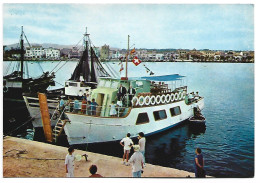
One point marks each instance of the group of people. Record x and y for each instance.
(191, 97)
(121, 94)
(87, 107)
(137, 160)
(69, 165)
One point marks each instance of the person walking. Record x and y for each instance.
(141, 143)
(199, 164)
(137, 160)
(69, 162)
(127, 147)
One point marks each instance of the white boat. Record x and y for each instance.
(157, 106)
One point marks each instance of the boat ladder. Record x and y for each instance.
(59, 127)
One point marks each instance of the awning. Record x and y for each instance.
(172, 77)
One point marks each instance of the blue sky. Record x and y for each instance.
(177, 26)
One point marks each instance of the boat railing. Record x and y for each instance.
(93, 110)
(34, 102)
(151, 99)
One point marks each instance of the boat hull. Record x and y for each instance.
(84, 129)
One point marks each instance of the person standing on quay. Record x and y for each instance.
(199, 164)
(137, 160)
(141, 143)
(69, 162)
(127, 147)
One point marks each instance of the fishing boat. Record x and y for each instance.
(15, 84)
(84, 79)
(158, 104)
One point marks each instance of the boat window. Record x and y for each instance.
(108, 84)
(73, 84)
(158, 115)
(114, 84)
(102, 83)
(142, 118)
(139, 84)
(175, 111)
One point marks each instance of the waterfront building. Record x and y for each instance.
(64, 52)
(52, 53)
(35, 52)
(74, 53)
(104, 52)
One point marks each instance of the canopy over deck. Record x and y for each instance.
(172, 77)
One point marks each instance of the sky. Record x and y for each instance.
(159, 26)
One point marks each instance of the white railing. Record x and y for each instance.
(93, 110)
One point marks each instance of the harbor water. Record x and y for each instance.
(227, 142)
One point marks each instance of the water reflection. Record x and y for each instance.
(166, 148)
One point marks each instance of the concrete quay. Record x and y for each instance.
(25, 158)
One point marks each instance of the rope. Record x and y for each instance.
(62, 66)
(8, 67)
(19, 127)
(55, 67)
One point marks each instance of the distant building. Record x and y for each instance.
(35, 52)
(64, 52)
(104, 52)
(74, 53)
(52, 53)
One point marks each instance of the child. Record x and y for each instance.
(113, 109)
(69, 162)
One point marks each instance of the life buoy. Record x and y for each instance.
(141, 100)
(135, 101)
(176, 96)
(168, 98)
(153, 100)
(147, 100)
(172, 97)
(180, 95)
(158, 99)
(184, 94)
(162, 99)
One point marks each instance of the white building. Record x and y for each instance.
(35, 52)
(52, 53)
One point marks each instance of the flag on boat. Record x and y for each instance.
(136, 61)
(122, 67)
(132, 51)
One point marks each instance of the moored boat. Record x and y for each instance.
(156, 106)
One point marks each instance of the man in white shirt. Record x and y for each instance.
(69, 162)
(137, 160)
(127, 147)
(141, 143)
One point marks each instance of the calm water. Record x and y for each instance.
(227, 142)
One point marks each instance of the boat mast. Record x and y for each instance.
(22, 54)
(127, 58)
